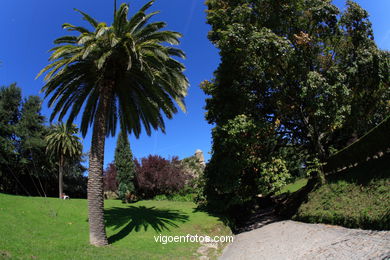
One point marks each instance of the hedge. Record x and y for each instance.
(374, 141)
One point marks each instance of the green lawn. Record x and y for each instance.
(293, 187)
(356, 198)
(49, 228)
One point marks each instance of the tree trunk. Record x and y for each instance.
(61, 176)
(97, 230)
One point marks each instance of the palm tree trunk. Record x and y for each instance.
(60, 176)
(97, 230)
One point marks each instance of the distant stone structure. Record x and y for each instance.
(199, 155)
(193, 167)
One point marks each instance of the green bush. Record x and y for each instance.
(190, 197)
(242, 164)
(273, 176)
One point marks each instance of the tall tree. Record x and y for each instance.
(125, 71)
(64, 145)
(301, 62)
(125, 167)
(10, 100)
(31, 133)
(301, 65)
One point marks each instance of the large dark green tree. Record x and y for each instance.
(22, 133)
(125, 167)
(64, 146)
(10, 100)
(123, 72)
(25, 168)
(31, 133)
(300, 65)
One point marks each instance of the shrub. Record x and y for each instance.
(156, 175)
(195, 179)
(189, 197)
(273, 176)
(240, 167)
(110, 182)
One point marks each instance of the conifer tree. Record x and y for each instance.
(125, 166)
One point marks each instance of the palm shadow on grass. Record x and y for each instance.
(141, 217)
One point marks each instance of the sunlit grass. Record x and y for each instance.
(357, 198)
(49, 228)
(293, 187)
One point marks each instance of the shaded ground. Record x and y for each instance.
(140, 218)
(296, 240)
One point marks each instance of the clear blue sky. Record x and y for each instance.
(28, 28)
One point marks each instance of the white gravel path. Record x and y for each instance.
(296, 240)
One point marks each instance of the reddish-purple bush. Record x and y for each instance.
(109, 178)
(156, 175)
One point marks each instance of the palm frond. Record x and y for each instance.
(88, 18)
(132, 58)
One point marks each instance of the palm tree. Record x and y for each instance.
(123, 73)
(64, 145)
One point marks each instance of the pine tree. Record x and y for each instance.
(125, 168)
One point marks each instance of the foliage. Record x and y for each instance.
(63, 145)
(355, 198)
(303, 63)
(188, 197)
(199, 191)
(31, 132)
(61, 224)
(24, 167)
(62, 141)
(295, 159)
(10, 99)
(273, 176)
(157, 176)
(375, 141)
(75, 181)
(303, 66)
(125, 167)
(192, 167)
(109, 178)
(195, 183)
(128, 60)
(239, 167)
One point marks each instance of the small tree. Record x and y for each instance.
(157, 176)
(110, 178)
(125, 168)
(63, 145)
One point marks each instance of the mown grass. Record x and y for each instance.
(293, 187)
(49, 228)
(356, 198)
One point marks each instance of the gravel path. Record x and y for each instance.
(296, 240)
